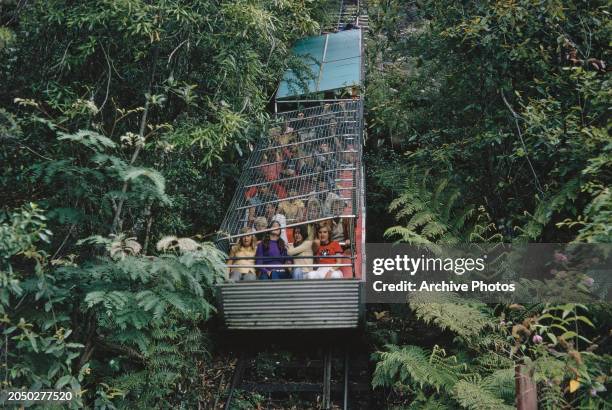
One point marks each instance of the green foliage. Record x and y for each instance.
(449, 311)
(415, 365)
(431, 214)
(488, 123)
(495, 105)
(130, 327)
(480, 373)
(144, 88)
(473, 396)
(127, 121)
(435, 378)
(38, 349)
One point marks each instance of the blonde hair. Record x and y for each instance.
(314, 202)
(262, 221)
(239, 244)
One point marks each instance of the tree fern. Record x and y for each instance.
(501, 382)
(472, 396)
(414, 365)
(547, 207)
(147, 311)
(449, 312)
(428, 213)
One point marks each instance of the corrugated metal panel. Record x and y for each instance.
(317, 304)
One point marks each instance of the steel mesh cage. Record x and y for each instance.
(310, 160)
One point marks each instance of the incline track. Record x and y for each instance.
(324, 377)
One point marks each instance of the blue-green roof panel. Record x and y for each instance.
(339, 55)
(340, 74)
(343, 45)
(311, 46)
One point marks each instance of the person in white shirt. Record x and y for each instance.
(300, 249)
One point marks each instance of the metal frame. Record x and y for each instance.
(335, 122)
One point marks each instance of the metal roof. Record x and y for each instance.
(334, 61)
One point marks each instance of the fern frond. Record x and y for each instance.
(90, 139)
(448, 311)
(405, 235)
(472, 396)
(414, 365)
(419, 219)
(501, 383)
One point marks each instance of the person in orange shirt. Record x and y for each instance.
(326, 250)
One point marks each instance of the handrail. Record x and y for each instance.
(275, 181)
(305, 141)
(300, 265)
(303, 157)
(352, 188)
(237, 258)
(310, 221)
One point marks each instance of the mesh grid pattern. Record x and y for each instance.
(307, 169)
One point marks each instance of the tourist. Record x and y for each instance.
(326, 250)
(300, 250)
(272, 251)
(245, 248)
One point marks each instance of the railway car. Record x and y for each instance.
(305, 174)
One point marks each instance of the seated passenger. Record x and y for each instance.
(279, 189)
(325, 195)
(259, 224)
(249, 220)
(307, 166)
(274, 133)
(313, 212)
(272, 165)
(272, 250)
(331, 199)
(275, 214)
(291, 162)
(259, 200)
(287, 137)
(244, 248)
(292, 208)
(300, 249)
(339, 227)
(328, 249)
(323, 157)
(348, 155)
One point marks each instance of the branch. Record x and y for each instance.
(143, 124)
(64, 241)
(128, 351)
(520, 134)
(108, 81)
(175, 50)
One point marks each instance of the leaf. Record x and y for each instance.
(569, 335)
(64, 380)
(93, 298)
(381, 315)
(32, 338)
(574, 385)
(90, 139)
(155, 177)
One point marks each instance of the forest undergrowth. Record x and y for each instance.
(487, 124)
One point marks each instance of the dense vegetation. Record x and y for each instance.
(122, 122)
(488, 123)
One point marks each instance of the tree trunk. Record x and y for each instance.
(526, 390)
(116, 226)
